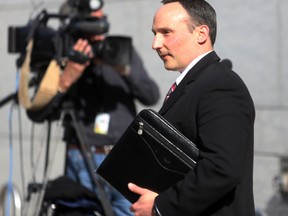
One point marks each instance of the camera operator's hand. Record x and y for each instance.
(73, 70)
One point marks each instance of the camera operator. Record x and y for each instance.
(103, 97)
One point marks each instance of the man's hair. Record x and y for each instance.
(200, 13)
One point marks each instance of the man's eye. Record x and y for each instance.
(166, 33)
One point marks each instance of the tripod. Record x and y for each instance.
(89, 161)
(88, 157)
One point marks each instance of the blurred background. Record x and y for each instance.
(251, 34)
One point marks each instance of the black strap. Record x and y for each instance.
(78, 57)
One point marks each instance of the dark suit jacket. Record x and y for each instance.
(213, 108)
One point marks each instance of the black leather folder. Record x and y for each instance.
(151, 153)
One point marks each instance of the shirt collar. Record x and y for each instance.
(192, 63)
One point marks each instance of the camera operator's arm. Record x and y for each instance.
(142, 86)
(72, 72)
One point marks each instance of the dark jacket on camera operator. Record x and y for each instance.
(101, 89)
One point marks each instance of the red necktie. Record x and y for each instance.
(172, 89)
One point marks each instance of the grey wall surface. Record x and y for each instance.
(252, 34)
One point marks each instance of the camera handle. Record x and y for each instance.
(88, 157)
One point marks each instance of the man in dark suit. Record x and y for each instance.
(212, 107)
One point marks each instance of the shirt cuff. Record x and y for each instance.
(155, 211)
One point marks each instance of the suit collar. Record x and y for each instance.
(200, 66)
(192, 75)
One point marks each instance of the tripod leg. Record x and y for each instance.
(36, 191)
(88, 156)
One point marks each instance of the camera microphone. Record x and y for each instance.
(95, 27)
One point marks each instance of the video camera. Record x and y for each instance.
(75, 23)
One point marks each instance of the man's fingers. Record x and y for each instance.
(82, 46)
(132, 209)
(136, 189)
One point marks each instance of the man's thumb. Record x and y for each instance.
(136, 189)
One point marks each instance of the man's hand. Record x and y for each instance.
(74, 70)
(143, 206)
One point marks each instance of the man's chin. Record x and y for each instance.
(170, 67)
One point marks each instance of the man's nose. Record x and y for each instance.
(157, 43)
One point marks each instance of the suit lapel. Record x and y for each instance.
(190, 77)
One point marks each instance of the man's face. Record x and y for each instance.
(176, 45)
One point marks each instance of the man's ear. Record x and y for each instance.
(203, 33)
